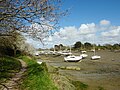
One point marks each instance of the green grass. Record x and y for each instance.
(79, 85)
(8, 66)
(36, 77)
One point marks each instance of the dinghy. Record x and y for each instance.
(95, 57)
(83, 56)
(72, 58)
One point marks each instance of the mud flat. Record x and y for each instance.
(102, 74)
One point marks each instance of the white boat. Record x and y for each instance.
(83, 56)
(36, 53)
(65, 53)
(95, 57)
(72, 58)
(83, 51)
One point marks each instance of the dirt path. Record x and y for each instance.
(13, 83)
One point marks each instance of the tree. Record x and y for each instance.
(12, 43)
(88, 45)
(60, 46)
(56, 47)
(116, 46)
(27, 49)
(109, 47)
(16, 14)
(77, 45)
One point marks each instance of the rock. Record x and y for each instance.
(78, 68)
(72, 68)
(39, 62)
(62, 67)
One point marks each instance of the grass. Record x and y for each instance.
(8, 66)
(79, 85)
(36, 77)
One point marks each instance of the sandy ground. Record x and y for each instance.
(102, 73)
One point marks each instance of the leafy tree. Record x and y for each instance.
(56, 47)
(12, 42)
(88, 45)
(77, 45)
(61, 46)
(109, 47)
(116, 46)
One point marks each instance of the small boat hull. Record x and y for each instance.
(83, 56)
(95, 57)
(72, 58)
(83, 51)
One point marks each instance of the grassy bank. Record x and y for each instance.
(36, 77)
(8, 66)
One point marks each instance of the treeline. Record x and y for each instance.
(87, 46)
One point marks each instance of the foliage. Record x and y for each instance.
(59, 47)
(10, 44)
(116, 46)
(77, 45)
(88, 45)
(8, 66)
(14, 44)
(36, 77)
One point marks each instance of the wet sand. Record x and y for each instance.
(102, 73)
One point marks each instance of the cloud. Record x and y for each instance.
(68, 32)
(104, 22)
(69, 35)
(112, 33)
(50, 39)
(87, 28)
(94, 33)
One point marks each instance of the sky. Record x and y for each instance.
(94, 21)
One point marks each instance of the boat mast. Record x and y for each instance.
(54, 48)
(94, 45)
(70, 49)
(94, 48)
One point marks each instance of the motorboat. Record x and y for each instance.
(65, 53)
(72, 58)
(95, 57)
(83, 55)
(83, 51)
(36, 53)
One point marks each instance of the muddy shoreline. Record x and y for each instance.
(103, 73)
